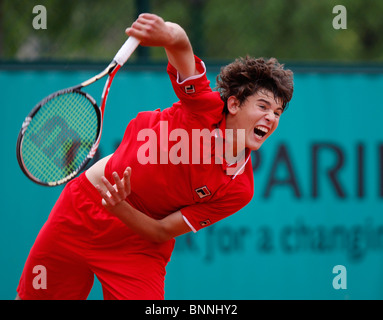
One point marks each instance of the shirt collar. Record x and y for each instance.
(232, 169)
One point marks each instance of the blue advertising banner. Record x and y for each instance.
(314, 229)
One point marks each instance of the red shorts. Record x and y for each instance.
(80, 239)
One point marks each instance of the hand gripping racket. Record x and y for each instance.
(62, 132)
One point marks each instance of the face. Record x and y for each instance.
(258, 115)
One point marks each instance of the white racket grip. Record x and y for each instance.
(126, 50)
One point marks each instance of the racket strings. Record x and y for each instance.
(60, 136)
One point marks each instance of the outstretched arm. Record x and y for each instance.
(151, 229)
(153, 31)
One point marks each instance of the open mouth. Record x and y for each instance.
(260, 131)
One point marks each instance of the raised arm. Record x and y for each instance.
(153, 31)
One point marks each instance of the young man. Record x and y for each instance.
(118, 220)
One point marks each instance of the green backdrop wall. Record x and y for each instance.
(318, 191)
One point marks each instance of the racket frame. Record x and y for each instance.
(29, 118)
(118, 61)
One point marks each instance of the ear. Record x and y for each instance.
(233, 105)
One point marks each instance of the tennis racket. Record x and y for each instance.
(62, 132)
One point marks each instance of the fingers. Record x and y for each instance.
(127, 174)
(119, 187)
(139, 27)
(150, 29)
(144, 21)
(112, 195)
(106, 199)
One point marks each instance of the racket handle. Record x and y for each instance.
(126, 50)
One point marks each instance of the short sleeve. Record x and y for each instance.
(195, 92)
(201, 215)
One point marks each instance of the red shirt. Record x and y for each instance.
(155, 141)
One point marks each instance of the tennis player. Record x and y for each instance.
(118, 220)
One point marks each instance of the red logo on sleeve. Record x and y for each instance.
(205, 223)
(203, 192)
(189, 89)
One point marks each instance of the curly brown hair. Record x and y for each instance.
(246, 76)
